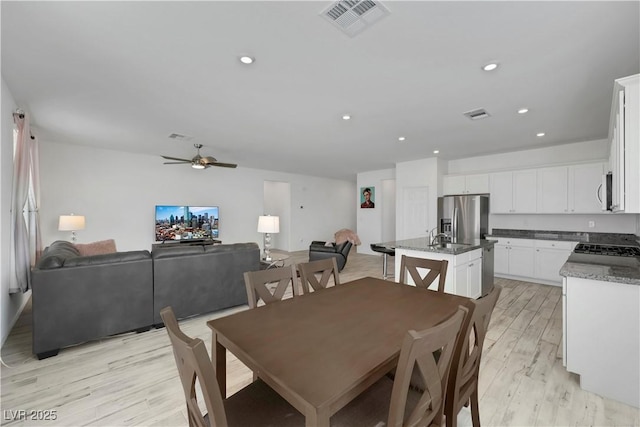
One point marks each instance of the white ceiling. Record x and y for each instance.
(125, 75)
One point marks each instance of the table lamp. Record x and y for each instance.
(268, 224)
(71, 223)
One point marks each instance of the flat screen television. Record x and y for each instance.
(186, 222)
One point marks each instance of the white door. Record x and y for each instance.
(501, 259)
(474, 279)
(553, 190)
(524, 191)
(521, 261)
(477, 184)
(415, 212)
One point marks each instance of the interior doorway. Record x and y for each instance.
(277, 202)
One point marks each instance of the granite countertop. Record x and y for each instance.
(569, 236)
(604, 268)
(424, 244)
(608, 273)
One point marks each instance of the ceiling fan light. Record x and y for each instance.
(197, 166)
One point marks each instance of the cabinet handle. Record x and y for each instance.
(471, 265)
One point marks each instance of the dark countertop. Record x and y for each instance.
(424, 244)
(569, 236)
(609, 273)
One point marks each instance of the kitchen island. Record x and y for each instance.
(470, 269)
(601, 324)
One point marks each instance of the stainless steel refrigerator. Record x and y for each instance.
(464, 219)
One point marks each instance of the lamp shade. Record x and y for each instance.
(71, 222)
(268, 224)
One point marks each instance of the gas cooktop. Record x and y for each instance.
(609, 250)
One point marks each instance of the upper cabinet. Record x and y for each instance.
(465, 184)
(513, 192)
(570, 189)
(624, 134)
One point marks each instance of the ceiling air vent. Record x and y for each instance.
(354, 16)
(478, 114)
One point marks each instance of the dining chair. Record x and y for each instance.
(316, 274)
(255, 405)
(396, 402)
(437, 269)
(259, 284)
(463, 381)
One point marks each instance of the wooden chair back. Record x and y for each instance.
(258, 284)
(316, 274)
(194, 366)
(463, 383)
(437, 269)
(418, 352)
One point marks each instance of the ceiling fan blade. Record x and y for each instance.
(175, 163)
(224, 165)
(208, 159)
(176, 158)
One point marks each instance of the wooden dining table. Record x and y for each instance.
(321, 350)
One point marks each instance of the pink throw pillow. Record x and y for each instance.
(96, 248)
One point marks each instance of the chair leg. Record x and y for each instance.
(384, 266)
(475, 412)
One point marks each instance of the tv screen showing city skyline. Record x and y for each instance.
(186, 222)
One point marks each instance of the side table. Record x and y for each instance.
(277, 261)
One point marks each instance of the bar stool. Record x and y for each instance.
(385, 253)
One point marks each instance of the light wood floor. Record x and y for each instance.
(131, 379)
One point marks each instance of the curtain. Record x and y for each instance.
(26, 242)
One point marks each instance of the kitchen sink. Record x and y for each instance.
(449, 245)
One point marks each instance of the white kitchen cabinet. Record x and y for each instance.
(465, 184)
(553, 190)
(570, 189)
(464, 271)
(514, 257)
(624, 137)
(601, 323)
(513, 191)
(549, 258)
(585, 188)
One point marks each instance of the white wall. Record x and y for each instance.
(277, 202)
(370, 221)
(418, 173)
(117, 192)
(588, 151)
(11, 304)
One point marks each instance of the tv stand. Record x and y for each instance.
(186, 242)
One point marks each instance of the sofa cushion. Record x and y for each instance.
(96, 248)
(56, 254)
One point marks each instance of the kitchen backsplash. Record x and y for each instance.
(602, 223)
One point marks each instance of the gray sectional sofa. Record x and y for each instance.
(82, 298)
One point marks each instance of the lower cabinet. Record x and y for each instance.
(531, 260)
(464, 271)
(514, 257)
(602, 337)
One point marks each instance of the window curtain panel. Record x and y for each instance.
(26, 241)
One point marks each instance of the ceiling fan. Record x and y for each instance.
(199, 162)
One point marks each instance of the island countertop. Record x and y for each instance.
(424, 244)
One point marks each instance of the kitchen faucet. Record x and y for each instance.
(438, 236)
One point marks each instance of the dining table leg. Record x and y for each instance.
(219, 361)
(317, 417)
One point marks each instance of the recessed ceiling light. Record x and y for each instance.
(540, 134)
(490, 66)
(402, 138)
(346, 117)
(523, 110)
(246, 59)
(436, 151)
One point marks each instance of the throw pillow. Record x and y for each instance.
(96, 248)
